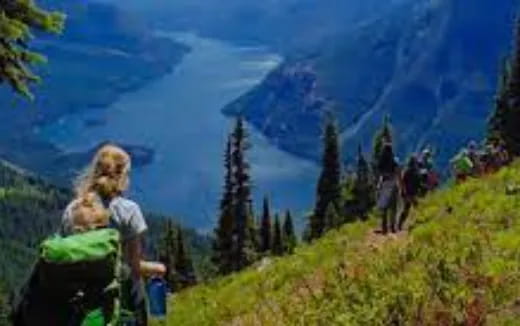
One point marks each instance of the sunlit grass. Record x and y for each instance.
(459, 265)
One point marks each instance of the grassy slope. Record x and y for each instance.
(458, 266)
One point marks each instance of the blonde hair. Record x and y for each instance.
(107, 175)
(88, 213)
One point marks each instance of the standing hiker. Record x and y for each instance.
(462, 165)
(107, 178)
(429, 178)
(411, 181)
(388, 188)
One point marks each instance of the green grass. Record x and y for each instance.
(460, 265)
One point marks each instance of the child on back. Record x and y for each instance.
(88, 213)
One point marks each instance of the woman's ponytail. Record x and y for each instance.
(107, 175)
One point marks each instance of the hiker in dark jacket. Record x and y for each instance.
(388, 188)
(411, 183)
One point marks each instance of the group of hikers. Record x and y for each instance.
(475, 160)
(97, 225)
(399, 188)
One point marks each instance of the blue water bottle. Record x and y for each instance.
(157, 293)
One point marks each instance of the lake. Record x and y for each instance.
(179, 117)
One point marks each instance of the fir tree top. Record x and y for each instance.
(17, 20)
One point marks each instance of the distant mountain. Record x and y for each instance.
(289, 26)
(431, 65)
(103, 52)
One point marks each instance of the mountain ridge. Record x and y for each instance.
(430, 63)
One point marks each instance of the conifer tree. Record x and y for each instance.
(223, 245)
(289, 236)
(329, 184)
(277, 237)
(4, 308)
(245, 250)
(497, 122)
(506, 117)
(363, 190)
(265, 228)
(167, 252)
(184, 271)
(332, 218)
(383, 136)
(19, 20)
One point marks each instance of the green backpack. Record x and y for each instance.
(463, 164)
(77, 281)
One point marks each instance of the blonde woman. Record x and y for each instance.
(104, 183)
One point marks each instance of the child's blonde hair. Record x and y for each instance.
(88, 213)
(107, 175)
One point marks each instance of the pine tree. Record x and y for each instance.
(497, 121)
(167, 252)
(505, 120)
(223, 245)
(266, 228)
(244, 252)
(363, 190)
(277, 237)
(185, 273)
(329, 184)
(289, 236)
(19, 20)
(332, 218)
(4, 308)
(384, 136)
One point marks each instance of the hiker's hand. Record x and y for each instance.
(152, 269)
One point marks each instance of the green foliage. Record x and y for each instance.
(222, 256)
(175, 256)
(363, 190)
(383, 136)
(166, 254)
(244, 248)
(457, 266)
(184, 270)
(265, 228)
(328, 191)
(504, 122)
(332, 218)
(18, 18)
(277, 237)
(237, 240)
(289, 237)
(4, 308)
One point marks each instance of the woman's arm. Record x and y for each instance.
(133, 254)
(139, 267)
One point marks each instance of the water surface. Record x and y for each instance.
(179, 118)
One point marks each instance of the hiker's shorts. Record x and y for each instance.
(387, 195)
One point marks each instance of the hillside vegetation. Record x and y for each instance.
(458, 265)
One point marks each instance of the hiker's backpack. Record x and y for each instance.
(463, 164)
(77, 281)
